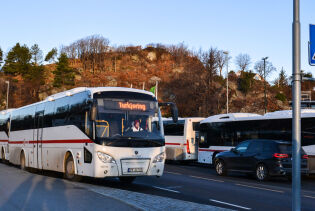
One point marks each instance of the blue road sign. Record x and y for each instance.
(312, 45)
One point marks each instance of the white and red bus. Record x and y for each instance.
(181, 138)
(89, 132)
(224, 131)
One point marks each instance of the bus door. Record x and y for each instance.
(193, 139)
(38, 137)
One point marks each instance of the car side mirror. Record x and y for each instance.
(233, 150)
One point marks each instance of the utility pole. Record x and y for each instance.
(296, 108)
(8, 82)
(227, 80)
(265, 94)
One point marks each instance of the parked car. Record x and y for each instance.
(263, 158)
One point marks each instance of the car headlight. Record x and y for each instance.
(159, 158)
(105, 158)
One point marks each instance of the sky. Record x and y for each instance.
(258, 28)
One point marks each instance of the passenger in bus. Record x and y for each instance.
(136, 126)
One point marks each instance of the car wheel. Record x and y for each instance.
(261, 172)
(220, 168)
(127, 180)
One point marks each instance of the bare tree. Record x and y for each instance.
(243, 61)
(221, 60)
(259, 68)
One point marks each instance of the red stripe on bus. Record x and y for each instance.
(75, 141)
(210, 150)
(3, 140)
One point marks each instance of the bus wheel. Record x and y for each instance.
(70, 170)
(127, 180)
(2, 155)
(220, 168)
(22, 161)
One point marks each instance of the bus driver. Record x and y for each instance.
(136, 126)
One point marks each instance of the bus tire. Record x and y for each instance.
(70, 169)
(2, 155)
(220, 168)
(22, 161)
(127, 180)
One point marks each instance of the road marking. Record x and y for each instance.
(215, 180)
(175, 191)
(249, 186)
(312, 197)
(172, 173)
(233, 205)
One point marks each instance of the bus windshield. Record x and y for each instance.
(122, 122)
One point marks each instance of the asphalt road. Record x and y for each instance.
(192, 183)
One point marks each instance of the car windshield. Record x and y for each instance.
(132, 119)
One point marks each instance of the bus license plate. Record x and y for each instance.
(135, 170)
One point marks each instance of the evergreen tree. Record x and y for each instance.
(37, 54)
(51, 55)
(18, 60)
(64, 74)
(245, 81)
(283, 79)
(1, 55)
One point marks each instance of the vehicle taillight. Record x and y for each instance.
(188, 149)
(305, 156)
(280, 155)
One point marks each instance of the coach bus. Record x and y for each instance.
(181, 138)
(222, 132)
(95, 132)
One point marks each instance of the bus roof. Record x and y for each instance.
(94, 90)
(3, 112)
(285, 114)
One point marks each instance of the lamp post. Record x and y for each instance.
(227, 80)
(8, 82)
(265, 95)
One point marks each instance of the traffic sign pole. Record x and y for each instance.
(296, 108)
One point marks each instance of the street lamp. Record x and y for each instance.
(227, 80)
(265, 104)
(8, 82)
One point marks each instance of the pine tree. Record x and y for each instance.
(51, 55)
(17, 61)
(64, 74)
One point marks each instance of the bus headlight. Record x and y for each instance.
(159, 158)
(105, 158)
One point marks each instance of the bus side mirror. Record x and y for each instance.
(93, 112)
(174, 110)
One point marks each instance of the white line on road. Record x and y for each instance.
(172, 173)
(312, 197)
(175, 191)
(215, 180)
(249, 186)
(233, 205)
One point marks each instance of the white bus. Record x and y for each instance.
(96, 132)
(180, 138)
(222, 132)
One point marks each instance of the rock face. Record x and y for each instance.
(151, 56)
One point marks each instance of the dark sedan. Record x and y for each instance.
(264, 158)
